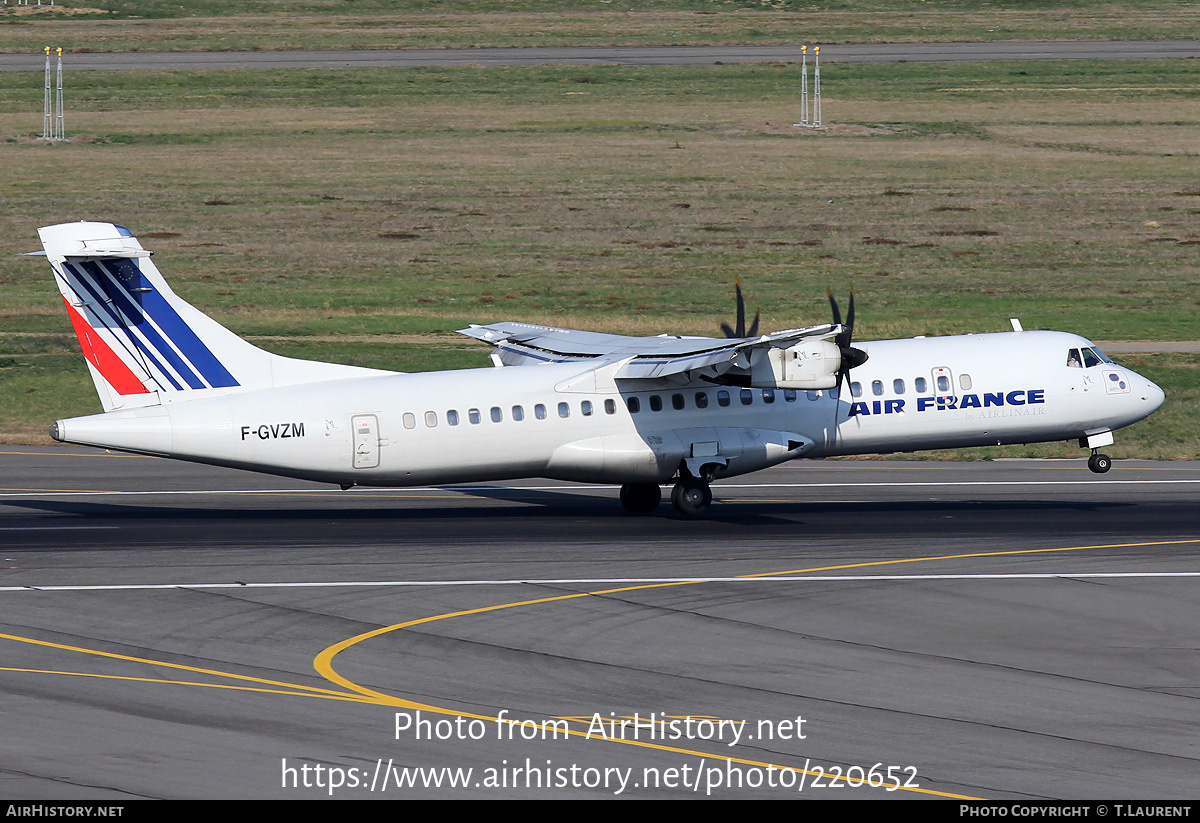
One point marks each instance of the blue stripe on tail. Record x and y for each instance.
(133, 312)
(126, 272)
(114, 322)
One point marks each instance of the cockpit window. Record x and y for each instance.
(1086, 358)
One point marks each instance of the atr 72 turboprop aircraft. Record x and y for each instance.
(567, 405)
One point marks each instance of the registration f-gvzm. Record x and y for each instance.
(568, 405)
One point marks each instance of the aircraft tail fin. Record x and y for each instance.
(145, 345)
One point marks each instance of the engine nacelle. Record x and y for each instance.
(810, 365)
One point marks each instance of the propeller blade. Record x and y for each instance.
(741, 310)
(837, 314)
(740, 330)
(851, 357)
(753, 331)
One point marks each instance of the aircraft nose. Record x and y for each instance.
(1152, 395)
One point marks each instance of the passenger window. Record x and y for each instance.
(430, 419)
(768, 395)
(789, 395)
(965, 381)
(813, 395)
(473, 416)
(877, 388)
(943, 383)
(897, 386)
(747, 397)
(920, 386)
(701, 400)
(452, 417)
(410, 420)
(564, 410)
(677, 402)
(655, 403)
(518, 413)
(855, 389)
(586, 408)
(722, 398)
(539, 411)
(634, 405)
(610, 406)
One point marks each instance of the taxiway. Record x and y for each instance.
(618, 55)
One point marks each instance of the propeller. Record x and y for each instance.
(851, 357)
(741, 330)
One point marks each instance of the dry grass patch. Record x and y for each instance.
(1133, 138)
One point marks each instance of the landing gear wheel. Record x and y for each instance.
(640, 498)
(691, 496)
(1099, 463)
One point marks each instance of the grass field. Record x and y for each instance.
(150, 25)
(304, 204)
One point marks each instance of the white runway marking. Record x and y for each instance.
(607, 581)
(1092, 483)
(51, 528)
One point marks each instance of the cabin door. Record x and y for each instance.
(366, 440)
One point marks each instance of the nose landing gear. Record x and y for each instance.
(1099, 463)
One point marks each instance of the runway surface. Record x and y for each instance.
(618, 55)
(1019, 629)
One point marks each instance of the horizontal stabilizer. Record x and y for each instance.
(111, 244)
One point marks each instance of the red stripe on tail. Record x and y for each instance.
(100, 355)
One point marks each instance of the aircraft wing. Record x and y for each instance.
(521, 344)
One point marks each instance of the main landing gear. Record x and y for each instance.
(689, 496)
(1099, 463)
(640, 498)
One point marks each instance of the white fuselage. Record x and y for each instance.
(538, 421)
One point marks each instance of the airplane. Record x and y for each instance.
(638, 412)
